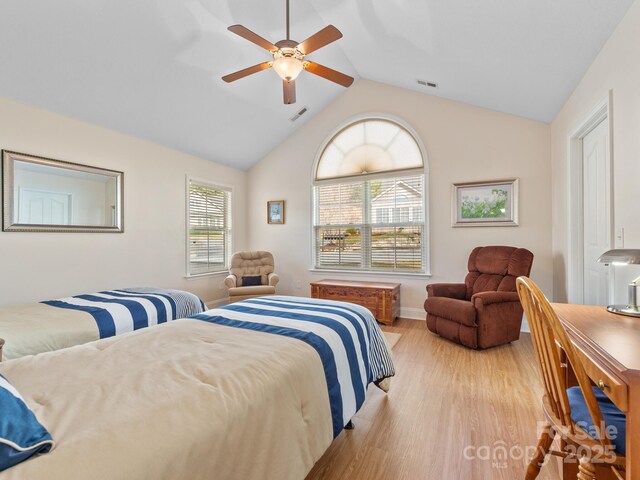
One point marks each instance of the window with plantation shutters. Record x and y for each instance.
(369, 201)
(209, 228)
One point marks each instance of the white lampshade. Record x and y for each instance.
(288, 68)
(622, 256)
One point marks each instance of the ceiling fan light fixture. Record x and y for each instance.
(289, 58)
(287, 64)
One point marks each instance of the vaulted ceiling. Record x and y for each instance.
(152, 68)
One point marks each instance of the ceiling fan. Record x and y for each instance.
(289, 58)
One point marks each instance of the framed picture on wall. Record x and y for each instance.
(485, 204)
(275, 212)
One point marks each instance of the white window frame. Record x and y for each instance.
(382, 213)
(228, 247)
(426, 259)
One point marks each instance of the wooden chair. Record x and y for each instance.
(550, 340)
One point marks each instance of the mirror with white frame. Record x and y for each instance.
(45, 195)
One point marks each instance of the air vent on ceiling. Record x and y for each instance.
(301, 112)
(424, 83)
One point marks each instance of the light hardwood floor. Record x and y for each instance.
(443, 399)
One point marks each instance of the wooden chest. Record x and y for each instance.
(383, 299)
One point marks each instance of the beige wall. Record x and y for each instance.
(151, 252)
(463, 143)
(616, 69)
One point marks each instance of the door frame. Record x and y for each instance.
(575, 238)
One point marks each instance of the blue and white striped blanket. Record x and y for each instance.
(346, 336)
(121, 311)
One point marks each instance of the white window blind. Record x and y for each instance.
(209, 228)
(371, 225)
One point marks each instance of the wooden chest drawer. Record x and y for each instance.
(383, 299)
(367, 298)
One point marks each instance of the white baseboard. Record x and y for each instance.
(420, 314)
(217, 303)
(413, 313)
(405, 312)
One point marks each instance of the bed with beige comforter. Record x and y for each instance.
(55, 324)
(189, 399)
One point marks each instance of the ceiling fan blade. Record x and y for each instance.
(319, 39)
(328, 73)
(247, 34)
(232, 77)
(289, 90)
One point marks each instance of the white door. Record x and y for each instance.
(595, 153)
(44, 208)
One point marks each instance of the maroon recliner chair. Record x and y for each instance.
(484, 311)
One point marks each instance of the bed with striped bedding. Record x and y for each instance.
(345, 336)
(121, 311)
(64, 322)
(256, 390)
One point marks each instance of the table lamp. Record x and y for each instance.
(625, 256)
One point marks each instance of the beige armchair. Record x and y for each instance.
(243, 281)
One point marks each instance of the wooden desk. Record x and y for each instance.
(609, 346)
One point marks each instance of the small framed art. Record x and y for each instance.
(275, 212)
(485, 204)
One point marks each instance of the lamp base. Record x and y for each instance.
(629, 310)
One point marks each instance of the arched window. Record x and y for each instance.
(369, 199)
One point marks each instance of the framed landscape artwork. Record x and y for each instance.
(275, 211)
(486, 204)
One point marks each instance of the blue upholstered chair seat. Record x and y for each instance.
(613, 417)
